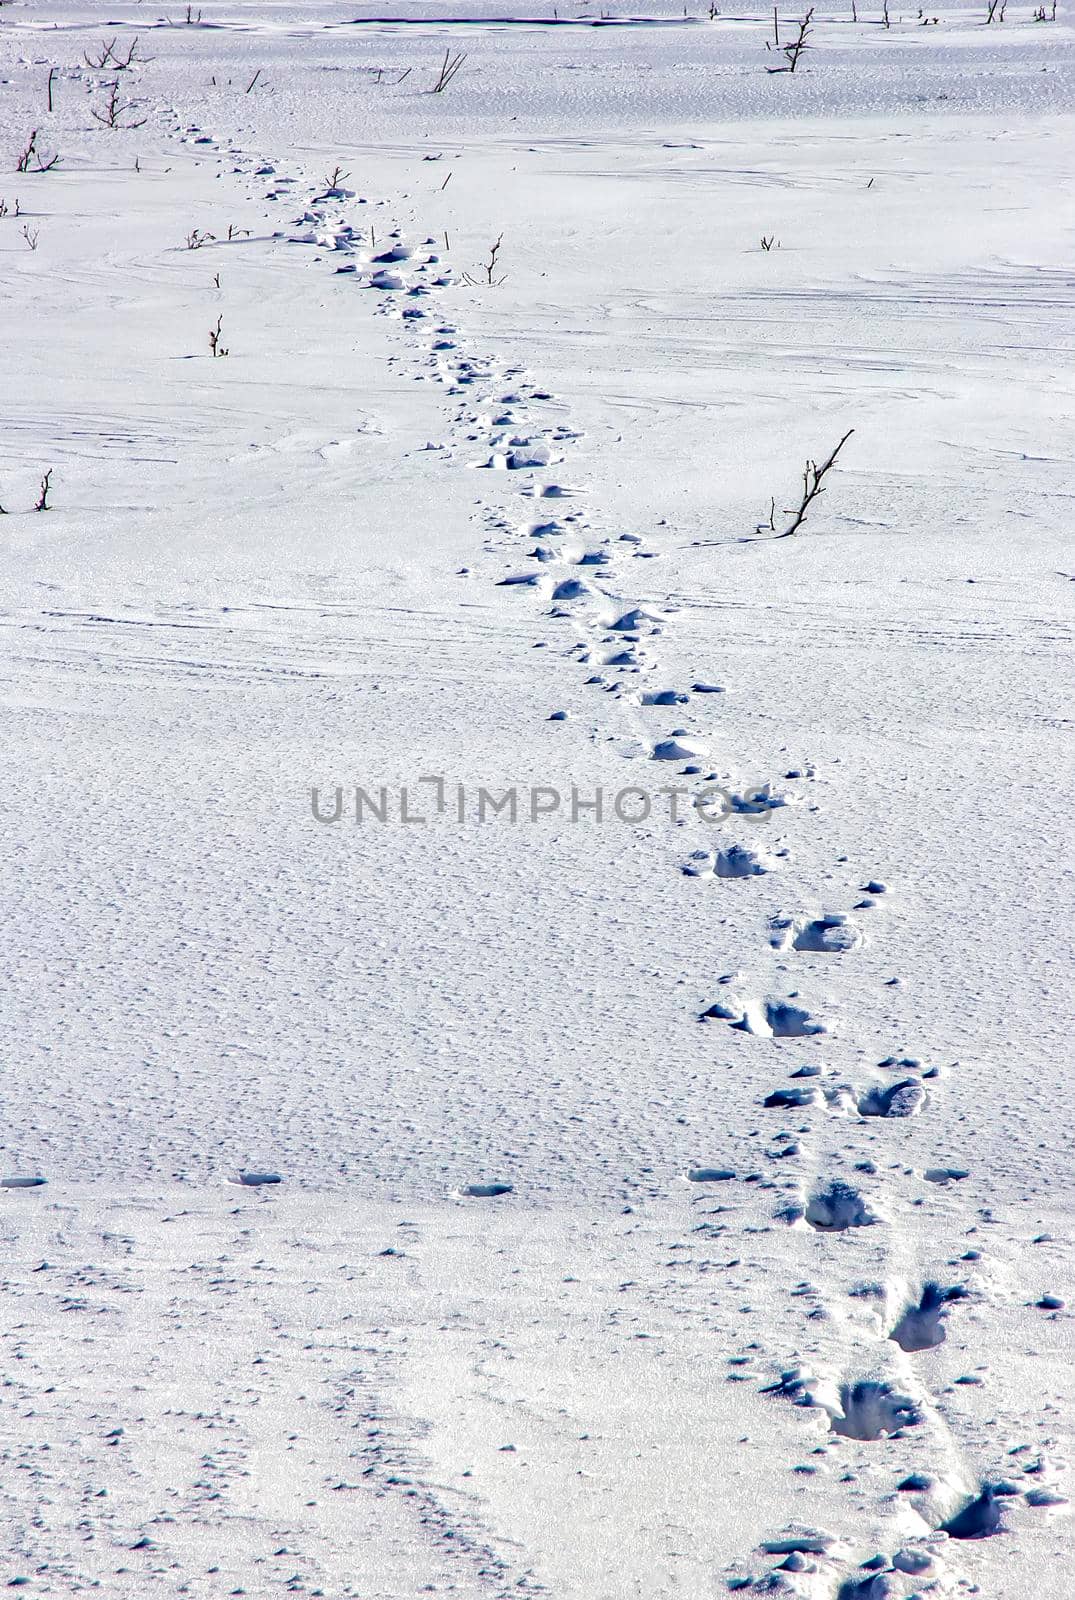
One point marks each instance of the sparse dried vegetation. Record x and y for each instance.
(34, 159)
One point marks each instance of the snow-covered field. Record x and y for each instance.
(672, 1201)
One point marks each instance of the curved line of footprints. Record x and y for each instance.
(504, 423)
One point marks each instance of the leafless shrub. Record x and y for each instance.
(768, 240)
(215, 346)
(43, 495)
(252, 82)
(336, 177)
(114, 110)
(196, 239)
(448, 69)
(813, 486)
(488, 268)
(48, 87)
(30, 235)
(798, 45)
(237, 233)
(35, 160)
(110, 55)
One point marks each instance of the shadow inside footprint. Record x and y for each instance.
(774, 1019)
(978, 1519)
(828, 935)
(867, 1410)
(903, 1099)
(921, 1326)
(837, 1206)
(871, 1410)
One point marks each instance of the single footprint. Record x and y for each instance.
(980, 1517)
(904, 1099)
(868, 1410)
(921, 1327)
(833, 1207)
(768, 1019)
(871, 1410)
(833, 934)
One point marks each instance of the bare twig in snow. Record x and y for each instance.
(114, 110)
(794, 50)
(448, 69)
(33, 159)
(770, 526)
(110, 56)
(813, 486)
(488, 267)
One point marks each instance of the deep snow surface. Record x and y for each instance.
(665, 1205)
